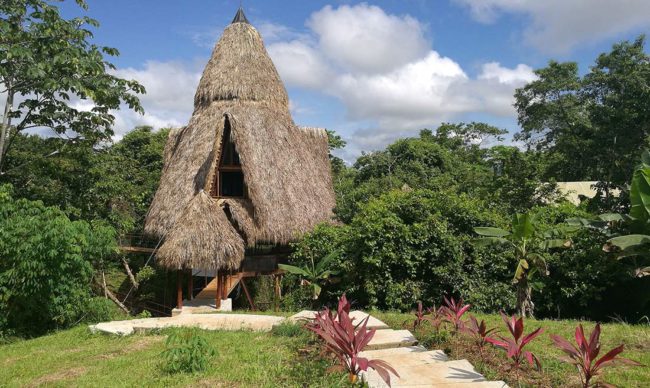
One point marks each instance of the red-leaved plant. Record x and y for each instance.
(584, 356)
(478, 330)
(515, 346)
(346, 341)
(453, 311)
(419, 316)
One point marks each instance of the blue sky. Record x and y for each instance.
(372, 71)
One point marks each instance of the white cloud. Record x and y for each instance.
(169, 99)
(364, 38)
(389, 79)
(557, 26)
(300, 64)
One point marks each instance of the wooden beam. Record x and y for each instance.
(179, 289)
(248, 295)
(130, 249)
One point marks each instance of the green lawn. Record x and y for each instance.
(282, 358)
(77, 357)
(555, 372)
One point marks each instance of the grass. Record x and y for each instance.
(555, 372)
(286, 357)
(244, 359)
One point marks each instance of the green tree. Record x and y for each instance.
(593, 127)
(528, 244)
(45, 264)
(48, 61)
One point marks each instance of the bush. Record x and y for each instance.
(187, 352)
(100, 309)
(410, 245)
(45, 264)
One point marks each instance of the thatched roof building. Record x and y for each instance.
(241, 173)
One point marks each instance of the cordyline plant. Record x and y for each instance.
(515, 346)
(420, 316)
(478, 330)
(346, 341)
(584, 356)
(452, 312)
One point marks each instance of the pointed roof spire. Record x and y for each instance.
(240, 17)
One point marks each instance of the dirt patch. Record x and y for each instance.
(212, 383)
(12, 360)
(140, 344)
(66, 374)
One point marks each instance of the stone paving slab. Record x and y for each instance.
(449, 372)
(415, 358)
(384, 339)
(392, 351)
(356, 315)
(231, 322)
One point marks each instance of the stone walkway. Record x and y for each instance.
(417, 366)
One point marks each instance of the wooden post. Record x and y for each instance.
(248, 295)
(217, 301)
(224, 286)
(278, 292)
(179, 289)
(190, 287)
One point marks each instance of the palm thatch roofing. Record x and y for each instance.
(286, 168)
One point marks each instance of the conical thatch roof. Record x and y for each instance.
(286, 168)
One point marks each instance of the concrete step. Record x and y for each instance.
(357, 316)
(392, 351)
(457, 373)
(389, 338)
(412, 358)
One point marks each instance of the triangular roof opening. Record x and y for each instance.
(228, 181)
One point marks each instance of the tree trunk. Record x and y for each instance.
(5, 127)
(525, 304)
(112, 297)
(127, 268)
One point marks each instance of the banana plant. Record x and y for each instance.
(528, 244)
(637, 244)
(314, 275)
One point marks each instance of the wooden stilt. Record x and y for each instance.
(278, 292)
(248, 295)
(179, 289)
(217, 301)
(190, 286)
(224, 286)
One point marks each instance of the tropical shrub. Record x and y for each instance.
(313, 275)
(45, 264)
(410, 245)
(452, 312)
(479, 331)
(346, 340)
(584, 356)
(514, 346)
(187, 352)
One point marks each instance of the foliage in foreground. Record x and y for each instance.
(346, 340)
(584, 356)
(187, 351)
(45, 265)
(515, 346)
